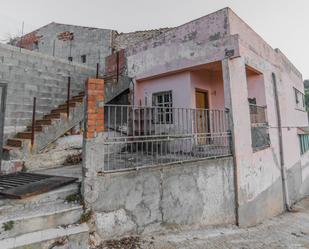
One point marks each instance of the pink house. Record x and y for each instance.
(219, 62)
(215, 83)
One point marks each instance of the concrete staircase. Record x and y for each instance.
(43, 221)
(48, 129)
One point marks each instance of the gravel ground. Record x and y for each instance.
(287, 231)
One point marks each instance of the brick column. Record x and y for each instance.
(93, 144)
(94, 122)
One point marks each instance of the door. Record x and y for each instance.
(202, 114)
(3, 91)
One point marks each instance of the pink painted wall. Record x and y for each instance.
(256, 88)
(183, 86)
(178, 83)
(259, 172)
(212, 82)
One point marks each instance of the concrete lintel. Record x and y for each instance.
(179, 57)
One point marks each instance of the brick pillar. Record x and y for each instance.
(93, 144)
(94, 122)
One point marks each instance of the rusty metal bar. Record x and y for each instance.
(98, 67)
(3, 87)
(33, 122)
(68, 96)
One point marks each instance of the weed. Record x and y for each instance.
(74, 198)
(24, 169)
(86, 216)
(7, 226)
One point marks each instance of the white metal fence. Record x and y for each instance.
(138, 137)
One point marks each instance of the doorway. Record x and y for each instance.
(3, 93)
(202, 115)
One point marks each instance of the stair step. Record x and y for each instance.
(14, 142)
(36, 128)
(24, 135)
(47, 216)
(80, 100)
(7, 148)
(77, 98)
(59, 110)
(10, 206)
(65, 105)
(82, 93)
(43, 122)
(77, 236)
(52, 116)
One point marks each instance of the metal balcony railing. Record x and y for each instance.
(137, 137)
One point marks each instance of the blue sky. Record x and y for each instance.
(282, 23)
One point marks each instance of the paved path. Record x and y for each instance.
(290, 230)
(287, 231)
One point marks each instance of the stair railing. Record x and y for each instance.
(33, 123)
(98, 69)
(3, 95)
(68, 96)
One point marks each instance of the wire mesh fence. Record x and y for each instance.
(138, 137)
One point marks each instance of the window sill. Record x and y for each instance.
(301, 110)
(261, 148)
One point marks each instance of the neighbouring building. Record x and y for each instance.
(84, 45)
(215, 133)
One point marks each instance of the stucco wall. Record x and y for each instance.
(199, 193)
(210, 81)
(195, 43)
(298, 179)
(260, 184)
(31, 74)
(178, 83)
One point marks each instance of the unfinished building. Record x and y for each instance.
(212, 131)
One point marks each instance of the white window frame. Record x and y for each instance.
(164, 99)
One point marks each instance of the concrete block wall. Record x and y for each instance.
(31, 74)
(63, 41)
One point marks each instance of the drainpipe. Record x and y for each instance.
(283, 169)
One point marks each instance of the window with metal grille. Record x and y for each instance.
(304, 143)
(299, 100)
(164, 115)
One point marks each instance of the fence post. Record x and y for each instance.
(117, 66)
(68, 96)
(33, 122)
